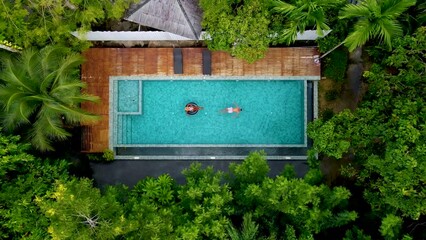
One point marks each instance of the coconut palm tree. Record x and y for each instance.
(41, 90)
(376, 19)
(302, 14)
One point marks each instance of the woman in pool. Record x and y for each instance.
(192, 108)
(235, 109)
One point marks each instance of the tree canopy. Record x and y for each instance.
(41, 90)
(375, 19)
(386, 135)
(37, 23)
(238, 27)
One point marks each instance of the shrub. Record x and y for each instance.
(335, 65)
(108, 155)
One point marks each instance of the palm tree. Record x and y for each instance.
(41, 90)
(302, 14)
(376, 19)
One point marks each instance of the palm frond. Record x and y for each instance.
(31, 64)
(50, 123)
(66, 87)
(50, 57)
(320, 22)
(85, 98)
(12, 99)
(46, 82)
(73, 115)
(11, 75)
(331, 3)
(373, 6)
(82, 118)
(394, 8)
(71, 62)
(352, 10)
(282, 7)
(26, 110)
(40, 98)
(12, 120)
(40, 140)
(289, 34)
(387, 30)
(363, 31)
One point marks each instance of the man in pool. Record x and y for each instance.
(235, 109)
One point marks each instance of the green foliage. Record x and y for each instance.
(40, 91)
(376, 19)
(288, 171)
(24, 178)
(108, 155)
(386, 134)
(327, 43)
(300, 15)
(12, 153)
(254, 169)
(303, 208)
(314, 176)
(331, 137)
(38, 23)
(154, 209)
(237, 27)
(77, 210)
(95, 157)
(391, 227)
(207, 203)
(248, 230)
(39, 200)
(356, 234)
(335, 65)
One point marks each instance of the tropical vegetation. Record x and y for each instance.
(376, 19)
(37, 23)
(301, 15)
(385, 137)
(379, 146)
(40, 94)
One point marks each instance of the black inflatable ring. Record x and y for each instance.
(193, 112)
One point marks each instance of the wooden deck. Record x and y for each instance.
(101, 63)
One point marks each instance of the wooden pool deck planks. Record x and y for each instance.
(101, 63)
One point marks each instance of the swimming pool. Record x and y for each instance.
(150, 112)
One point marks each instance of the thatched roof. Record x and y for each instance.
(181, 17)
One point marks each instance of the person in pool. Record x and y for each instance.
(192, 108)
(231, 110)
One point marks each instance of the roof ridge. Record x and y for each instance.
(187, 19)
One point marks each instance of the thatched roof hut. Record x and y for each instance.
(181, 17)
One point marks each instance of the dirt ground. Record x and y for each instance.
(345, 100)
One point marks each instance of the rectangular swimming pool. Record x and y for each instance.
(150, 112)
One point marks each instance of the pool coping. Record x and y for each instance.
(215, 77)
(113, 131)
(190, 157)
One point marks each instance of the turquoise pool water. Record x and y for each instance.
(152, 112)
